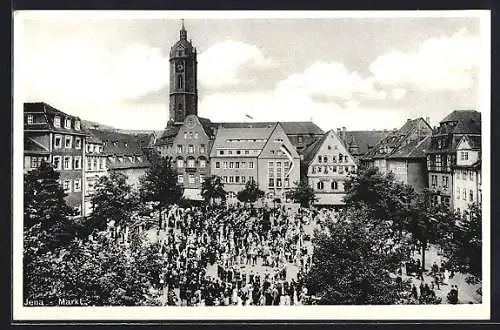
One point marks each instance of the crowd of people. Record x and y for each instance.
(253, 252)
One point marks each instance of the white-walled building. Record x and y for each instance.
(467, 173)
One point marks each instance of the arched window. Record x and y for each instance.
(335, 185)
(180, 82)
(320, 185)
(340, 158)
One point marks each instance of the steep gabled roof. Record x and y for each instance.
(413, 149)
(365, 140)
(34, 146)
(242, 138)
(290, 127)
(119, 144)
(473, 140)
(310, 152)
(467, 122)
(50, 112)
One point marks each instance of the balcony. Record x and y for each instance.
(190, 169)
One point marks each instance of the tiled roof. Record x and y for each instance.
(247, 134)
(364, 140)
(290, 127)
(414, 149)
(33, 146)
(474, 141)
(310, 152)
(467, 122)
(50, 112)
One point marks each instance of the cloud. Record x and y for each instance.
(331, 80)
(398, 93)
(81, 73)
(221, 64)
(446, 63)
(280, 106)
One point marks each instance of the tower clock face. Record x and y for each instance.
(179, 67)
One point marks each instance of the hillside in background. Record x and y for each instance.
(92, 124)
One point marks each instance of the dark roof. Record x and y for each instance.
(290, 127)
(474, 141)
(310, 151)
(208, 127)
(33, 146)
(364, 140)
(400, 139)
(413, 149)
(461, 122)
(50, 112)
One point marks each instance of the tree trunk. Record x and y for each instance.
(424, 246)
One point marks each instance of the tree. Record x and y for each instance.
(303, 194)
(160, 185)
(464, 246)
(250, 193)
(113, 200)
(95, 272)
(353, 264)
(384, 198)
(44, 205)
(428, 222)
(213, 188)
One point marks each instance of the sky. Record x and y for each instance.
(358, 73)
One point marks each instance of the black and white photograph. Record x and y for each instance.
(251, 165)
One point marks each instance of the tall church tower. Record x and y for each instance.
(183, 79)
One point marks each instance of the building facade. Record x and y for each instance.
(95, 168)
(327, 165)
(123, 154)
(57, 138)
(402, 153)
(467, 173)
(442, 152)
(262, 154)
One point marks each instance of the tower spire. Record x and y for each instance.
(183, 31)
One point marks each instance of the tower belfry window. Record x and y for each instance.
(180, 82)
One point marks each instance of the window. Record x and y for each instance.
(67, 186)
(238, 152)
(438, 162)
(278, 182)
(243, 164)
(434, 181)
(30, 119)
(464, 194)
(221, 152)
(471, 196)
(341, 158)
(299, 139)
(231, 164)
(77, 185)
(325, 159)
(440, 144)
(458, 192)
(225, 179)
(67, 141)
(464, 155)
(217, 164)
(247, 152)
(225, 165)
(471, 175)
(271, 182)
(77, 125)
(236, 164)
(320, 185)
(243, 179)
(67, 123)
(191, 135)
(196, 135)
(250, 164)
(57, 121)
(329, 147)
(191, 178)
(202, 148)
(237, 179)
(180, 82)
(464, 174)
(445, 182)
(231, 179)
(103, 162)
(190, 163)
(320, 159)
(77, 163)
(78, 143)
(67, 163)
(335, 185)
(180, 178)
(179, 149)
(185, 135)
(230, 152)
(203, 163)
(201, 179)
(180, 163)
(89, 164)
(190, 149)
(57, 141)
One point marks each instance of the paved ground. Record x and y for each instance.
(467, 293)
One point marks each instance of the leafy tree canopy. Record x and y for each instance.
(213, 188)
(303, 194)
(251, 193)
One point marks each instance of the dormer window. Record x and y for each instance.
(67, 123)
(30, 119)
(77, 125)
(57, 121)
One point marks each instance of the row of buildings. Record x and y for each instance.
(276, 155)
